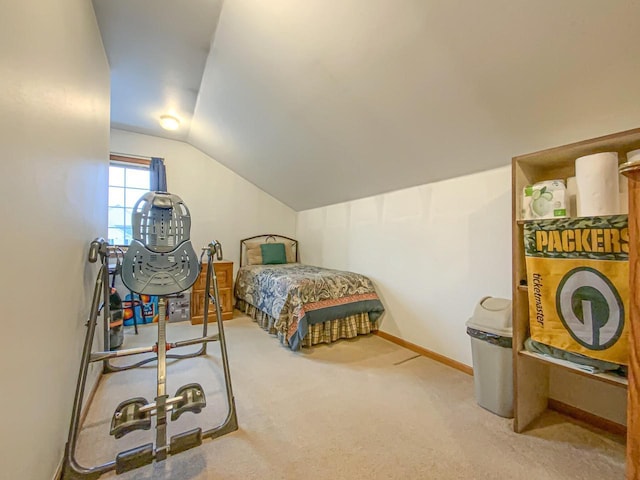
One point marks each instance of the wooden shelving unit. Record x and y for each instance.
(604, 377)
(531, 371)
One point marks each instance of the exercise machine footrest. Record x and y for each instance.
(128, 417)
(193, 400)
(134, 458)
(186, 440)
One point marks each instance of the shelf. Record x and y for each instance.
(533, 220)
(524, 222)
(609, 378)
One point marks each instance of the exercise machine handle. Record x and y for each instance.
(214, 248)
(217, 247)
(97, 247)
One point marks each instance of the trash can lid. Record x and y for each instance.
(492, 315)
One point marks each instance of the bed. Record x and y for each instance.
(302, 304)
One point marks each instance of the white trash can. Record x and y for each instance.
(491, 334)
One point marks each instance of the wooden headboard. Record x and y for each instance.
(267, 238)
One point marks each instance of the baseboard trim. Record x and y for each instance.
(426, 353)
(587, 417)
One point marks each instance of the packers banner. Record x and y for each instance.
(578, 284)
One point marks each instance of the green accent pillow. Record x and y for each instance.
(273, 253)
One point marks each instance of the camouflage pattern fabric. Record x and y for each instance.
(296, 295)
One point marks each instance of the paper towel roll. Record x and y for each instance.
(572, 190)
(597, 184)
(623, 199)
(633, 156)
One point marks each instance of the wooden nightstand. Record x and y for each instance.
(224, 273)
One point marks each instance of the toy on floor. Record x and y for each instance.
(160, 261)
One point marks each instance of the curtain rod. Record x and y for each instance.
(130, 159)
(130, 155)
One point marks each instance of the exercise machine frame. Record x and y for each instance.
(146, 454)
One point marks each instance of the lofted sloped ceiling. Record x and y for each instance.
(157, 51)
(322, 101)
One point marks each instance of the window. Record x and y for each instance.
(128, 181)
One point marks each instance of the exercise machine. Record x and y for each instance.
(159, 261)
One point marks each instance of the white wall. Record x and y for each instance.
(433, 251)
(223, 205)
(54, 132)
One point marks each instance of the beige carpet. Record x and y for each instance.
(358, 409)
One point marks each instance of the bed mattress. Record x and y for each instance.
(298, 296)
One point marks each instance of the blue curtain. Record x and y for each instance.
(158, 175)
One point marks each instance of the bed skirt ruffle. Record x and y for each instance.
(326, 332)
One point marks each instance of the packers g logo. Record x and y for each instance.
(590, 308)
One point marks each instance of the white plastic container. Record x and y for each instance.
(491, 334)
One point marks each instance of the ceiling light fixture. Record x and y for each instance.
(169, 122)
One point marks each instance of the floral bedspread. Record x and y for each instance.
(298, 295)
